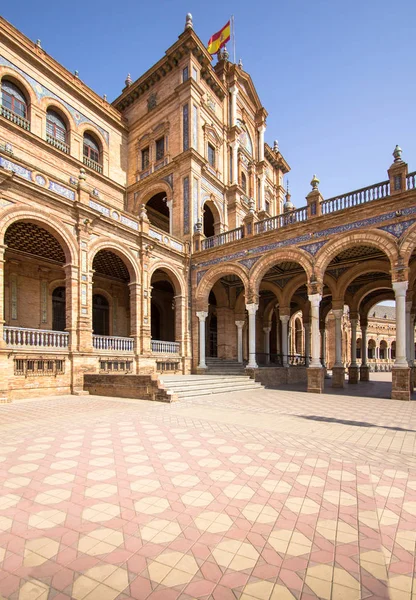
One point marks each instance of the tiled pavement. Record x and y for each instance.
(278, 495)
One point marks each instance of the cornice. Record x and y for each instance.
(276, 159)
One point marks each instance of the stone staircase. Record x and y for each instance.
(222, 376)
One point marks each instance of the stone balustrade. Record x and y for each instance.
(165, 347)
(112, 342)
(39, 338)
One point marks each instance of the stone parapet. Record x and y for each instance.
(400, 383)
(315, 377)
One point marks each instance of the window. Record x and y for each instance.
(244, 182)
(160, 148)
(91, 148)
(185, 74)
(13, 99)
(194, 74)
(211, 155)
(56, 127)
(267, 206)
(145, 158)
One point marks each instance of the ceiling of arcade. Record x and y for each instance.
(108, 264)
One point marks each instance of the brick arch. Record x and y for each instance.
(331, 283)
(272, 287)
(177, 280)
(93, 129)
(121, 251)
(9, 73)
(372, 286)
(292, 287)
(213, 275)
(49, 222)
(275, 256)
(214, 205)
(156, 187)
(48, 102)
(268, 312)
(367, 267)
(408, 244)
(384, 295)
(220, 294)
(375, 238)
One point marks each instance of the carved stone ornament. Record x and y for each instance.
(152, 101)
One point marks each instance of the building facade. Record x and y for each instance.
(144, 235)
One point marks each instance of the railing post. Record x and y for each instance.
(397, 173)
(314, 199)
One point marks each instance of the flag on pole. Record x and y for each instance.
(219, 39)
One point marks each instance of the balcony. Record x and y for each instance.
(22, 337)
(113, 343)
(91, 164)
(162, 347)
(14, 118)
(57, 144)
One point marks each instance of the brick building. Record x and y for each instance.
(144, 235)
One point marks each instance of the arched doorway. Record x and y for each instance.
(208, 222)
(100, 315)
(158, 211)
(162, 321)
(383, 350)
(212, 338)
(59, 309)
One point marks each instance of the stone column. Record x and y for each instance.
(234, 93)
(412, 351)
(202, 315)
(240, 325)
(234, 178)
(71, 306)
(284, 319)
(364, 370)
(267, 331)
(252, 310)
(169, 204)
(400, 371)
(315, 371)
(353, 368)
(323, 347)
(135, 316)
(307, 329)
(408, 329)
(338, 371)
(261, 131)
(4, 351)
(262, 200)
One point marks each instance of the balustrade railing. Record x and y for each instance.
(57, 144)
(165, 347)
(295, 216)
(112, 342)
(41, 338)
(92, 164)
(223, 238)
(411, 181)
(367, 194)
(14, 118)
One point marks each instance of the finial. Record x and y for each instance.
(188, 22)
(105, 97)
(287, 186)
(225, 54)
(198, 227)
(76, 73)
(275, 146)
(82, 174)
(128, 80)
(397, 153)
(315, 182)
(38, 44)
(240, 64)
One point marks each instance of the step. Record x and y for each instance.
(220, 390)
(220, 384)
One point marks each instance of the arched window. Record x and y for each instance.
(58, 309)
(244, 182)
(100, 315)
(92, 152)
(56, 130)
(13, 102)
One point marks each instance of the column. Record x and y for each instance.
(323, 347)
(408, 329)
(267, 331)
(202, 315)
(353, 368)
(233, 110)
(401, 371)
(262, 201)
(180, 323)
(284, 319)
(234, 178)
(261, 131)
(71, 305)
(135, 316)
(338, 337)
(252, 309)
(364, 349)
(2, 262)
(315, 300)
(240, 325)
(169, 204)
(4, 363)
(307, 328)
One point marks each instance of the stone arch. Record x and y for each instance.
(217, 212)
(361, 269)
(271, 287)
(211, 277)
(292, 287)
(93, 129)
(331, 283)
(220, 294)
(275, 256)
(177, 280)
(365, 307)
(268, 312)
(121, 251)
(375, 238)
(52, 225)
(408, 244)
(358, 298)
(155, 188)
(47, 102)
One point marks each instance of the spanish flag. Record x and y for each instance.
(219, 39)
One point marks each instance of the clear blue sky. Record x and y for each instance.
(337, 78)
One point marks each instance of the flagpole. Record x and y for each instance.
(233, 30)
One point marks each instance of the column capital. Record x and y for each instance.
(400, 287)
(261, 128)
(240, 324)
(234, 90)
(338, 312)
(267, 329)
(314, 299)
(354, 322)
(307, 326)
(252, 308)
(202, 315)
(284, 318)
